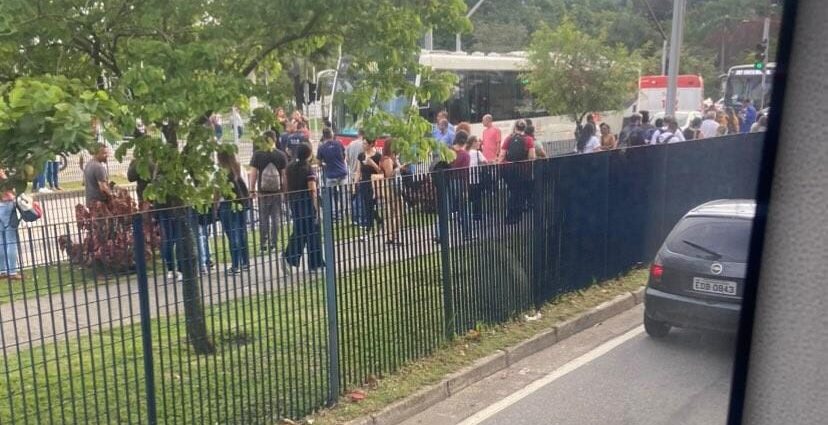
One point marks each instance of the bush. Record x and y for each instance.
(107, 242)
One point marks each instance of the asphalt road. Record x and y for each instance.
(614, 375)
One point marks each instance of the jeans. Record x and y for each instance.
(458, 205)
(520, 188)
(306, 233)
(39, 181)
(52, 170)
(270, 219)
(8, 238)
(336, 194)
(170, 236)
(234, 222)
(369, 204)
(202, 236)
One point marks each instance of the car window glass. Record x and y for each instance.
(729, 238)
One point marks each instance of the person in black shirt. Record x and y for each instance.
(367, 166)
(302, 186)
(267, 180)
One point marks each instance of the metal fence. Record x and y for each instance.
(263, 310)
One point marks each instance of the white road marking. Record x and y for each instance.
(562, 371)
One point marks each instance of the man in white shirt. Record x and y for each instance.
(672, 134)
(709, 127)
(353, 150)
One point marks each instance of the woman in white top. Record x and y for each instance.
(587, 141)
(476, 178)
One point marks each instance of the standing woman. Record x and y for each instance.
(476, 159)
(391, 192)
(733, 123)
(608, 140)
(233, 213)
(587, 141)
(8, 235)
(366, 167)
(303, 197)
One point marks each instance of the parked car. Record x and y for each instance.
(697, 277)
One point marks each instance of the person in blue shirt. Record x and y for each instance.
(443, 133)
(332, 155)
(749, 113)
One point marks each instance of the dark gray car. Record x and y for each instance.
(697, 277)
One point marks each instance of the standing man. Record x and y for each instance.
(709, 127)
(267, 182)
(517, 148)
(95, 177)
(672, 133)
(491, 139)
(335, 172)
(633, 134)
(294, 139)
(354, 149)
(748, 115)
(443, 133)
(352, 152)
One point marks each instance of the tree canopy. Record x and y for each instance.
(176, 61)
(573, 73)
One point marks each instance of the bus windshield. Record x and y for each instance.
(742, 83)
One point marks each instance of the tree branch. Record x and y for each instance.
(307, 31)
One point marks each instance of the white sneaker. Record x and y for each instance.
(173, 276)
(44, 190)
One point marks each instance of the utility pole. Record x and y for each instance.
(766, 42)
(458, 40)
(675, 55)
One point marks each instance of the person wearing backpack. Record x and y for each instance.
(266, 177)
(517, 149)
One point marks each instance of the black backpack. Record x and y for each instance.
(517, 150)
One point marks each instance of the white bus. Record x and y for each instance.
(487, 84)
(746, 81)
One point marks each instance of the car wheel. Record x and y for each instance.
(655, 328)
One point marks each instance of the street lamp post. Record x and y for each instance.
(458, 39)
(675, 55)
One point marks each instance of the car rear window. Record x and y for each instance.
(700, 237)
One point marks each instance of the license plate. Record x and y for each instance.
(714, 286)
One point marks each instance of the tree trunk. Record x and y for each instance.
(193, 308)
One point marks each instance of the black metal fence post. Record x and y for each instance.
(442, 191)
(539, 232)
(146, 329)
(330, 295)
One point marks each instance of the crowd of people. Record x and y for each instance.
(283, 177)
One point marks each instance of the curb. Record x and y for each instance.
(423, 399)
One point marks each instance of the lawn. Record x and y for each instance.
(56, 274)
(271, 359)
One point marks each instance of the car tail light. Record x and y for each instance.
(656, 271)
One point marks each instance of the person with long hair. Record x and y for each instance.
(587, 141)
(391, 192)
(233, 213)
(367, 167)
(733, 122)
(476, 179)
(304, 207)
(608, 140)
